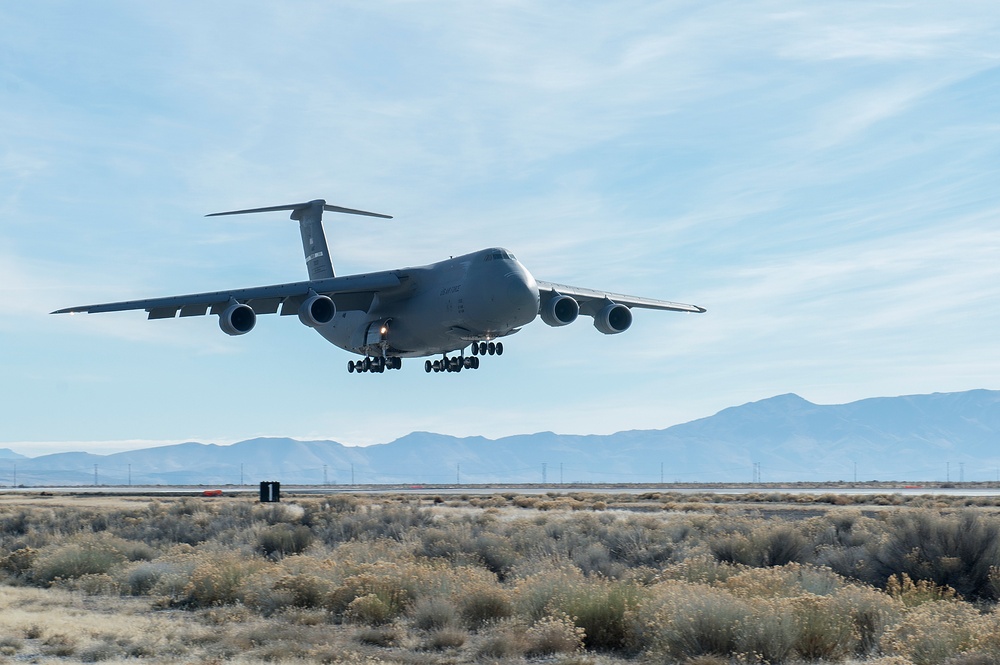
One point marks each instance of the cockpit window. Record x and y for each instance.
(497, 255)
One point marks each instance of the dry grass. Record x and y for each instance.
(594, 578)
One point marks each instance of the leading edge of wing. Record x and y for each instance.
(333, 286)
(621, 299)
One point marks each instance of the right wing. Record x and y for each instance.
(591, 300)
(352, 292)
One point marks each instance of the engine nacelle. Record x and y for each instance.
(560, 311)
(317, 311)
(237, 319)
(613, 319)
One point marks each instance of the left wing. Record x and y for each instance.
(591, 301)
(352, 292)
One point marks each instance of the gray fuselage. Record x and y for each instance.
(441, 307)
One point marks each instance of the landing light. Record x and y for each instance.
(384, 330)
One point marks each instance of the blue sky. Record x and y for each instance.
(823, 177)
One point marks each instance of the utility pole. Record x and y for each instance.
(324, 475)
(95, 475)
(544, 464)
(15, 475)
(560, 473)
(352, 473)
(241, 474)
(130, 475)
(458, 474)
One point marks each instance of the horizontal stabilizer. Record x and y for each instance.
(303, 206)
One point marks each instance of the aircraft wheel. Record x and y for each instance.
(367, 364)
(475, 363)
(499, 348)
(475, 348)
(350, 367)
(427, 366)
(456, 364)
(491, 348)
(381, 364)
(482, 348)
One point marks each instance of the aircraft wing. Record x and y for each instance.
(591, 300)
(352, 292)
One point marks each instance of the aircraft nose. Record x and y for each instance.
(522, 293)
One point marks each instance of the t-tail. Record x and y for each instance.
(310, 218)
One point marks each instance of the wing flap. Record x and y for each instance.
(162, 313)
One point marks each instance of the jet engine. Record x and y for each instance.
(237, 319)
(613, 319)
(317, 311)
(560, 311)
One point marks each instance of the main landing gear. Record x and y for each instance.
(374, 365)
(447, 364)
(492, 348)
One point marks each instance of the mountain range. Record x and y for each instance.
(936, 437)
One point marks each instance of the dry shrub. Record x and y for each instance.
(769, 633)
(369, 610)
(535, 594)
(701, 569)
(772, 543)
(434, 613)
(503, 640)
(556, 634)
(220, 581)
(682, 620)
(86, 554)
(283, 540)
(601, 608)
(910, 593)
(871, 612)
(949, 550)
(784, 581)
(446, 638)
(483, 603)
(823, 633)
(931, 633)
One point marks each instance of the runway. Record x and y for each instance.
(944, 489)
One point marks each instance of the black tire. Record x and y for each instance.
(499, 348)
(428, 366)
(350, 367)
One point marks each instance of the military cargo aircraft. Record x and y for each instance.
(465, 302)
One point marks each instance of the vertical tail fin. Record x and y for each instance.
(310, 218)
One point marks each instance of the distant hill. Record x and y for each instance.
(943, 436)
(7, 453)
